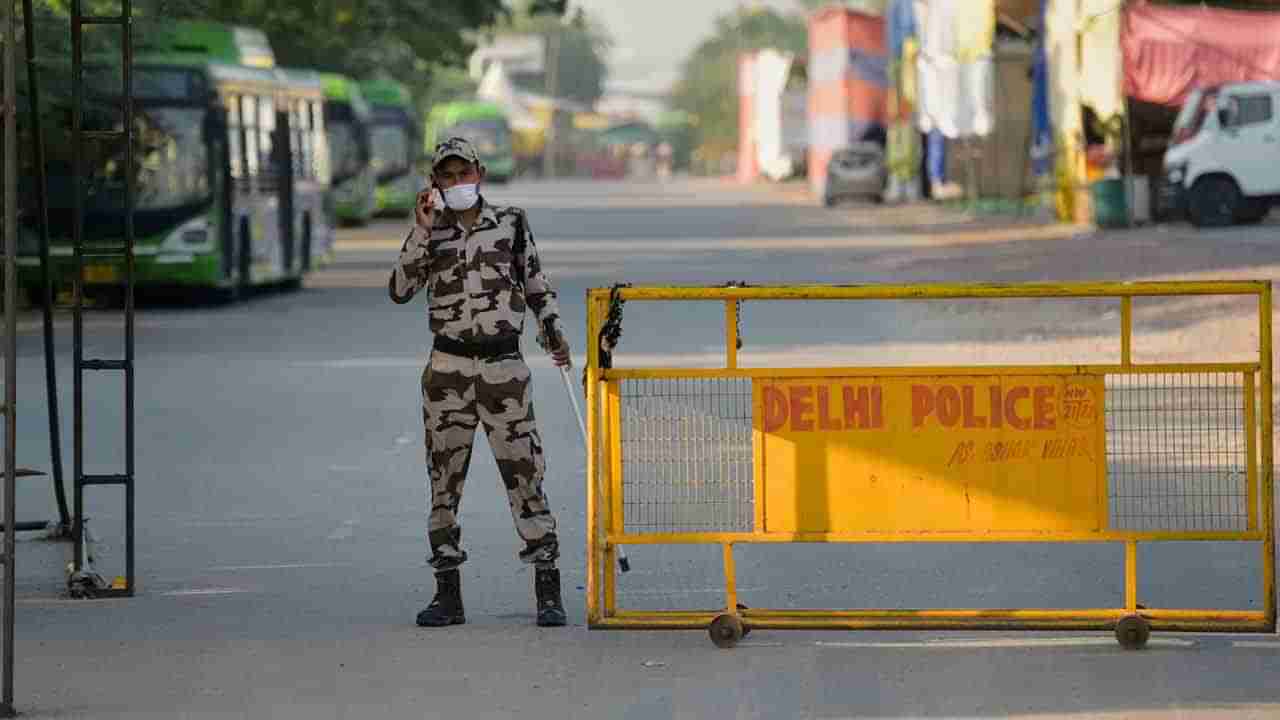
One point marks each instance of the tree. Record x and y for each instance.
(418, 43)
(549, 7)
(708, 86)
(412, 41)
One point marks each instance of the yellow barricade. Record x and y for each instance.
(995, 453)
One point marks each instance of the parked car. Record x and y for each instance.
(1223, 162)
(856, 171)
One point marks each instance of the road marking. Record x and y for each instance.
(205, 592)
(1004, 643)
(361, 363)
(62, 600)
(630, 246)
(684, 591)
(1264, 644)
(281, 566)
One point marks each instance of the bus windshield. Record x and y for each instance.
(172, 159)
(348, 141)
(390, 143)
(490, 136)
(346, 149)
(170, 163)
(171, 176)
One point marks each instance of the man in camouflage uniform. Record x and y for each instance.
(479, 265)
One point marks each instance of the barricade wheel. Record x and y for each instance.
(726, 630)
(1133, 631)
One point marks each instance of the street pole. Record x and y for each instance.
(10, 226)
(553, 82)
(1129, 181)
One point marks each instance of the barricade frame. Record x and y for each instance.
(1132, 623)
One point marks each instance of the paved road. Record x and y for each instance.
(281, 544)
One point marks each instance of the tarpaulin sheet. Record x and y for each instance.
(1168, 51)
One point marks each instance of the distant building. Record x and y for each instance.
(624, 104)
(516, 53)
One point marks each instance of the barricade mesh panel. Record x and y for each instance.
(687, 455)
(1176, 451)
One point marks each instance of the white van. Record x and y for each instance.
(1223, 162)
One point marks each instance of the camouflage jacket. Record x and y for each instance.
(478, 286)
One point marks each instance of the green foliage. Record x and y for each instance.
(548, 7)
(708, 87)
(412, 41)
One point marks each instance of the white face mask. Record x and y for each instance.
(462, 197)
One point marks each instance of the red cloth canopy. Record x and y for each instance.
(1170, 51)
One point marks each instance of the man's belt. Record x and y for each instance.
(487, 349)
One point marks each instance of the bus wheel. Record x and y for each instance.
(306, 243)
(224, 295)
(245, 255)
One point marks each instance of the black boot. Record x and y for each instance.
(446, 607)
(546, 586)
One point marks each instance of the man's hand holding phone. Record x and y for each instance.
(429, 201)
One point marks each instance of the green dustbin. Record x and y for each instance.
(1109, 207)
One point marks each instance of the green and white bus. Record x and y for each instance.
(485, 124)
(348, 122)
(395, 139)
(214, 206)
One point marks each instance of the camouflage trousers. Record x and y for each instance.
(457, 394)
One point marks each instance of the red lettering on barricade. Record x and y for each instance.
(1011, 407)
(810, 408)
(921, 404)
(1043, 403)
(948, 406)
(857, 408)
(801, 405)
(775, 408)
(957, 406)
(825, 421)
(971, 418)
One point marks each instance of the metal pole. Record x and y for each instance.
(46, 271)
(77, 316)
(623, 562)
(11, 345)
(126, 40)
(553, 88)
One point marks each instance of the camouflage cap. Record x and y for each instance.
(455, 147)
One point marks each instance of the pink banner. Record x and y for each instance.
(1170, 51)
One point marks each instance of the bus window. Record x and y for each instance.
(390, 151)
(249, 119)
(174, 162)
(348, 141)
(319, 142)
(233, 136)
(266, 126)
(297, 134)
